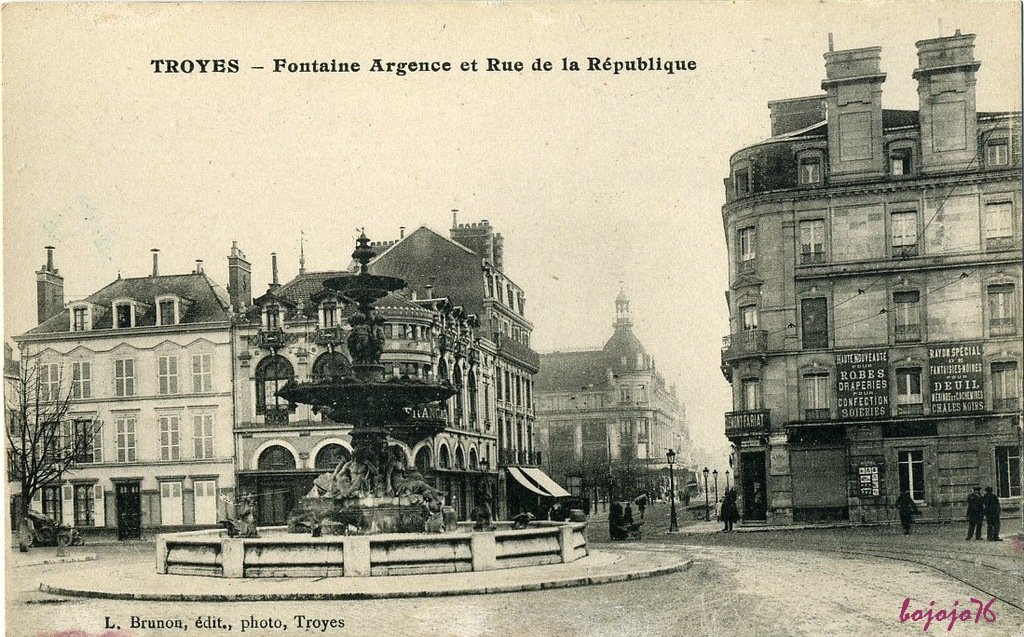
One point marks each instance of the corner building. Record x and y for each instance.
(875, 297)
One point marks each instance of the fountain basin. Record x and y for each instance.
(280, 554)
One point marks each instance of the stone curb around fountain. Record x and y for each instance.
(601, 567)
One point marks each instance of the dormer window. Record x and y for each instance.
(272, 317)
(997, 153)
(901, 162)
(810, 170)
(81, 318)
(167, 310)
(328, 314)
(124, 314)
(742, 181)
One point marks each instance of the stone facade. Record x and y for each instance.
(875, 277)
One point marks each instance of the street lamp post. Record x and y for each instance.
(707, 505)
(726, 479)
(673, 520)
(715, 473)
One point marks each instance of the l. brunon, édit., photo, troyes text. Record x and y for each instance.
(655, 64)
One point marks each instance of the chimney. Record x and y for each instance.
(49, 289)
(401, 232)
(853, 85)
(156, 261)
(199, 266)
(480, 238)
(946, 98)
(273, 270)
(239, 279)
(455, 218)
(796, 113)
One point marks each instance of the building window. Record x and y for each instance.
(625, 395)
(814, 322)
(124, 315)
(271, 375)
(742, 181)
(170, 442)
(124, 377)
(272, 317)
(80, 319)
(51, 502)
(751, 394)
(748, 314)
(997, 153)
(330, 314)
(1008, 472)
(167, 373)
(908, 392)
(1001, 319)
(812, 241)
(202, 373)
(907, 316)
(748, 251)
(275, 458)
(49, 382)
(84, 510)
(911, 469)
(125, 439)
(900, 162)
(999, 225)
(817, 397)
(86, 441)
(81, 380)
(167, 314)
(904, 234)
(170, 504)
(202, 435)
(810, 170)
(1004, 386)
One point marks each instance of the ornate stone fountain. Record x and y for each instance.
(374, 492)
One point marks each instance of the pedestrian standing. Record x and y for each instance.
(907, 510)
(627, 515)
(975, 514)
(641, 503)
(992, 511)
(730, 512)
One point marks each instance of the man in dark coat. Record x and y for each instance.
(992, 511)
(730, 512)
(975, 514)
(616, 529)
(907, 509)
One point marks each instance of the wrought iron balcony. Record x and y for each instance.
(507, 457)
(908, 333)
(329, 335)
(1006, 404)
(270, 338)
(746, 423)
(1002, 326)
(812, 258)
(911, 409)
(744, 344)
(817, 414)
(517, 350)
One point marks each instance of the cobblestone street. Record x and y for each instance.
(809, 582)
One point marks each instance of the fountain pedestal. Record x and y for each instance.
(359, 515)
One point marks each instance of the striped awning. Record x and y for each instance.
(538, 482)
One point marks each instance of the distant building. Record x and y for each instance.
(468, 270)
(150, 359)
(298, 331)
(607, 409)
(875, 297)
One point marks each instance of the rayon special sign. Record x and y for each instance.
(862, 380)
(956, 379)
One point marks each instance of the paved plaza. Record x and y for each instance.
(838, 581)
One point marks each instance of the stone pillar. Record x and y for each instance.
(357, 556)
(161, 554)
(484, 549)
(565, 534)
(232, 555)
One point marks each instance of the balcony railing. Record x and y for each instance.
(817, 414)
(745, 423)
(517, 350)
(902, 252)
(1006, 404)
(910, 409)
(908, 333)
(1002, 326)
(508, 457)
(747, 265)
(745, 343)
(812, 258)
(329, 335)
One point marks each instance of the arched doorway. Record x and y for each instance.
(330, 365)
(275, 458)
(330, 456)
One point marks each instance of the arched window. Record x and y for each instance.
(275, 458)
(330, 365)
(457, 382)
(473, 416)
(473, 463)
(444, 460)
(271, 375)
(442, 369)
(423, 464)
(460, 460)
(330, 456)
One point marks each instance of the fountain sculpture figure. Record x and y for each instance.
(374, 491)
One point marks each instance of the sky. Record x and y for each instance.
(597, 181)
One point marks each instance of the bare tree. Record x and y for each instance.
(44, 439)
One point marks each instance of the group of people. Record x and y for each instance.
(621, 525)
(980, 508)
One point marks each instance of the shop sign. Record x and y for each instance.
(862, 380)
(956, 379)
